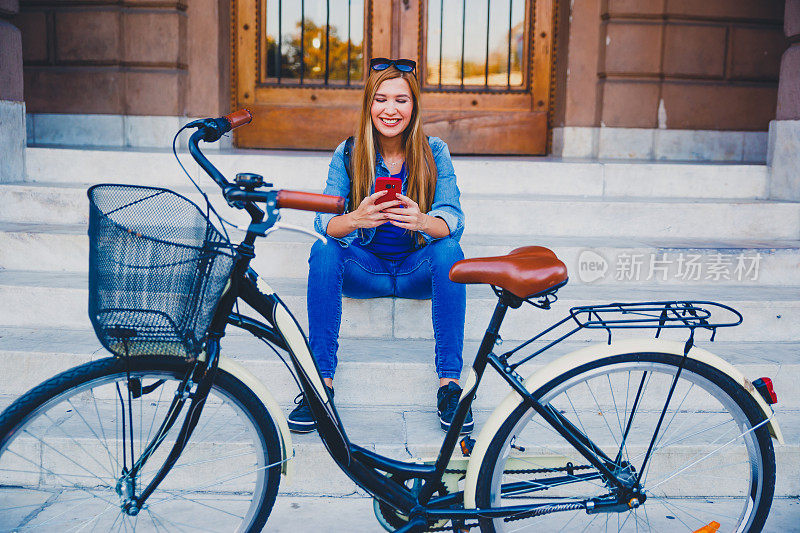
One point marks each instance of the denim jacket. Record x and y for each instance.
(445, 205)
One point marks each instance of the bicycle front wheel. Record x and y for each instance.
(66, 444)
(712, 460)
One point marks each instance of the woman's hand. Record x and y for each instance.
(369, 214)
(411, 218)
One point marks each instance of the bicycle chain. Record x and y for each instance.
(526, 471)
(530, 470)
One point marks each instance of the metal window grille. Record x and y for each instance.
(314, 42)
(476, 44)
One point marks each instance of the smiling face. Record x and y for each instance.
(392, 107)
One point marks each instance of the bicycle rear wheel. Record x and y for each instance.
(713, 459)
(62, 453)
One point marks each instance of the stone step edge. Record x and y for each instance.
(587, 176)
(77, 281)
(29, 365)
(475, 239)
(687, 201)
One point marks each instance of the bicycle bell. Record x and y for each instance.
(250, 181)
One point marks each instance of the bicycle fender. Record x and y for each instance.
(253, 383)
(585, 355)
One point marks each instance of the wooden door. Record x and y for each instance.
(484, 66)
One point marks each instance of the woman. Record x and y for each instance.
(401, 248)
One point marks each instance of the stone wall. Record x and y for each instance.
(122, 72)
(12, 107)
(784, 132)
(636, 68)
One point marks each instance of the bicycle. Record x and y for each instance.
(169, 435)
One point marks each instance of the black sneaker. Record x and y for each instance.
(447, 401)
(300, 419)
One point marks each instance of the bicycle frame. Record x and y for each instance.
(365, 467)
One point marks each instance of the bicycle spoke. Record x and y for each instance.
(78, 444)
(104, 511)
(677, 515)
(48, 471)
(104, 441)
(600, 411)
(706, 510)
(181, 526)
(677, 410)
(590, 523)
(220, 481)
(714, 452)
(616, 410)
(153, 419)
(212, 460)
(153, 519)
(208, 418)
(194, 500)
(646, 517)
(91, 474)
(583, 429)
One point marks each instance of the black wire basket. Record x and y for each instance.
(157, 269)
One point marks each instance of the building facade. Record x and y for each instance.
(645, 79)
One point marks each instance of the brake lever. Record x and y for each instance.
(299, 229)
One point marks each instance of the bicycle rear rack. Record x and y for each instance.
(683, 314)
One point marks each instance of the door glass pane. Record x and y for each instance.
(473, 44)
(314, 42)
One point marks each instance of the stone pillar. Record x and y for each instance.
(12, 107)
(784, 132)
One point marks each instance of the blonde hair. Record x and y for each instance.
(420, 165)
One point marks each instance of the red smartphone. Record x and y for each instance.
(392, 186)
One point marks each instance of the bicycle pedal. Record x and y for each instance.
(467, 444)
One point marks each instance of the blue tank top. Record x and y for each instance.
(390, 242)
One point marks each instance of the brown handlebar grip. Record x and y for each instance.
(239, 118)
(309, 201)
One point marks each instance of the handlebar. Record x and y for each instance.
(211, 129)
(239, 118)
(309, 201)
(286, 199)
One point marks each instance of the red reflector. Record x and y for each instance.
(764, 387)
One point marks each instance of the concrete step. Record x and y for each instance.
(492, 214)
(770, 313)
(394, 414)
(293, 513)
(408, 434)
(476, 175)
(31, 355)
(354, 512)
(596, 260)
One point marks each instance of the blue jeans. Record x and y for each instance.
(335, 270)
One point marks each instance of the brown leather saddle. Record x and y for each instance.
(525, 272)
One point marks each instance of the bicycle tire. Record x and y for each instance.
(60, 453)
(679, 492)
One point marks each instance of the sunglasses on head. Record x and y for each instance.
(382, 63)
